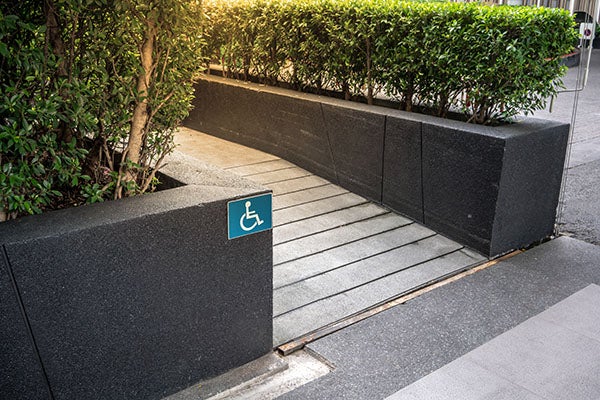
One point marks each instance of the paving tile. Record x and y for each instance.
(336, 237)
(550, 360)
(294, 185)
(403, 344)
(257, 168)
(360, 273)
(351, 254)
(578, 312)
(303, 268)
(301, 321)
(266, 178)
(306, 196)
(320, 223)
(317, 207)
(463, 379)
(584, 152)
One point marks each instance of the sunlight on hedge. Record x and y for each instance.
(490, 63)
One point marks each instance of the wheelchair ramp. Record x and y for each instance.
(335, 254)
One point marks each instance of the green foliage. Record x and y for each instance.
(67, 101)
(489, 62)
(35, 166)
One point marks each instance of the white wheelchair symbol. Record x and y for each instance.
(250, 217)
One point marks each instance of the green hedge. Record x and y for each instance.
(69, 90)
(489, 62)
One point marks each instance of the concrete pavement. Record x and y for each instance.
(580, 215)
(551, 355)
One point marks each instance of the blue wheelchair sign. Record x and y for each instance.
(249, 215)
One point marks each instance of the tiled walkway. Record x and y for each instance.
(553, 355)
(335, 254)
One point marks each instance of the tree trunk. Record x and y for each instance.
(53, 36)
(56, 44)
(408, 106)
(346, 90)
(369, 73)
(139, 120)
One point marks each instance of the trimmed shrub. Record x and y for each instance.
(90, 95)
(490, 63)
(36, 162)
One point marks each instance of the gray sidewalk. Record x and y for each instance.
(553, 355)
(581, 212)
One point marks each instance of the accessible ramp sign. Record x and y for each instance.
(249, 215)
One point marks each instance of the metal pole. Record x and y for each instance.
(579, 86)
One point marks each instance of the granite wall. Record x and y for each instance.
(136, 298)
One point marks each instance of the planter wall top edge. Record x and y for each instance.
(521, 125)
(203, 184)
(192, 171)
(256, 87)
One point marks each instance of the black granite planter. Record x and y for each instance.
(494, 189)
(133, 299)
(338, 140)
(572, 59)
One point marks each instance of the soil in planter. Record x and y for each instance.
(72, 197)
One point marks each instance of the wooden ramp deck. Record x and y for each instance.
(335, 254)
